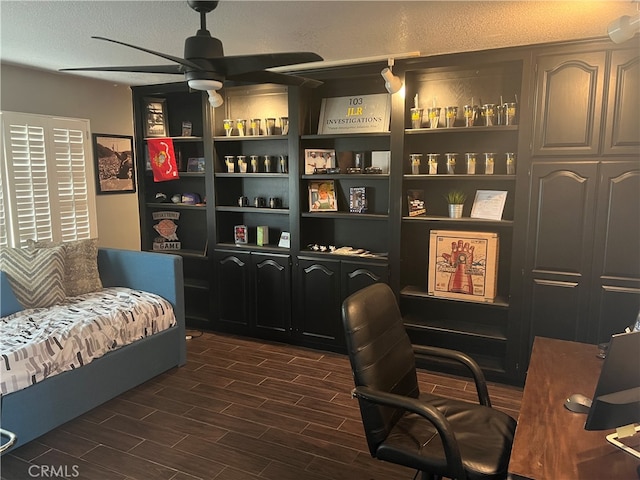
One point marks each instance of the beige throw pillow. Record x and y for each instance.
(35, 275)
(81, 265)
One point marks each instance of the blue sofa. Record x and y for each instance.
(36, 410)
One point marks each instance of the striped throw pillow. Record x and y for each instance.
(35, 275)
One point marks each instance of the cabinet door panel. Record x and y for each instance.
(623, 115)
(357, 275)
(569, 104)
(559, 259)
(615, 298)
(233, 297)
(272, 293)
(319, 316)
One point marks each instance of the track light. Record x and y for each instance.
(215, 99)
(392, 83)
(209, 86)
(624, 28)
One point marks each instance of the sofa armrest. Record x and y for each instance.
(158, 273)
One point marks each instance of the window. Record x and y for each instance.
(46, 179)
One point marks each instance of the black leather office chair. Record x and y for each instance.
(440, 437)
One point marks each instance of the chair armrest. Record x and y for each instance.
(426, 411)
(464, 359)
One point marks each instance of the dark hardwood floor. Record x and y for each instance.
(240, 409)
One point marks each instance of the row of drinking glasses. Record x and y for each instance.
(255, 165)
(490, 113)
(239, 127)
(471, 159)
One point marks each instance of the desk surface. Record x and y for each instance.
(550, 441)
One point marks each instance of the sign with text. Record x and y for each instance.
(355, 114)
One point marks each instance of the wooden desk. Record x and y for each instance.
(550, 441)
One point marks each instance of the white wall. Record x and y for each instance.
(109, 109)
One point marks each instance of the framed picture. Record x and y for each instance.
(195, 165)
(322, 197)
(240, 235)
(115, 172)
(155, 120)
(318, 158)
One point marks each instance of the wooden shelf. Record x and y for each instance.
(461, 176)
(277, 211)
(416, 292)
(178, 139)
(477, 221)
(482, 128)
(250, 138)
(176, 206)
(251, 175)
(345, 135)
(346, 176)
(345, 215)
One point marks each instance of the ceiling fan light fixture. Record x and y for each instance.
(392, 83)
(215, 99)
(204, 85)
(624, 28)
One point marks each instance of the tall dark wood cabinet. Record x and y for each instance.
(568, 263)
(180, 105)
(483, 328)
(582, 271)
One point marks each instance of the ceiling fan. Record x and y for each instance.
(205, 67)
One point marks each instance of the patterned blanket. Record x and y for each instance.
(38, 343)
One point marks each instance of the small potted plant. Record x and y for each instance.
(455, 199)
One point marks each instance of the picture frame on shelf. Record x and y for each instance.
(195, 165)
(318, 158)
(240, 235)
(155, 117)
(187, 128)
(322, 196)
(358, 200)
(114, 163)
(489, 204)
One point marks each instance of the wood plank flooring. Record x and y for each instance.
(240, 409)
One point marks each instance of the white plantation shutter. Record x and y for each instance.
(47, 179)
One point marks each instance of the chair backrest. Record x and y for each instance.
(381, 355)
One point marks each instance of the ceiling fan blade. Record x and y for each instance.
(171, 69)
(166, 56)
(238, 64)
(265, 76)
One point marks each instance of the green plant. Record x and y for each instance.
(455, 197)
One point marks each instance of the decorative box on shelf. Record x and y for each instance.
(463, 265)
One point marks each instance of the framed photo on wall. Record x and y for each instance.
(115, 171)
(155, 119)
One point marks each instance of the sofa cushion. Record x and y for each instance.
(36, 275)
(81, 265)
(9, 304)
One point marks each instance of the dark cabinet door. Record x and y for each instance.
(272, 294)
(357, 275)
(232, 290)
(569, 98)
(560, 252)
(318, 318)
(622, 134)
(615, 298)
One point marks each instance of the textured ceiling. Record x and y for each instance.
(56, 34)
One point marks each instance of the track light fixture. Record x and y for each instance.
(215, 99)
(624, 28)
(392, 83)
(209, 86)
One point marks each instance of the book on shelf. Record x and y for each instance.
(262, 235)
(415, 202)
(358, 200)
